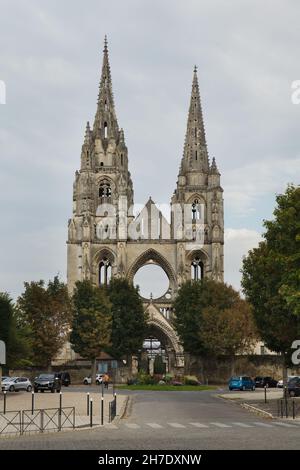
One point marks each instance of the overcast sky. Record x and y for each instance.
(247, 53)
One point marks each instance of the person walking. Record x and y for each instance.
(106, 380)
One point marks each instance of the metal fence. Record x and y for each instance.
(41, 420)
(10, 422)
(288, 408)
(112, 409)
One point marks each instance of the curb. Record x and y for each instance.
(122, 412)
(256, 410)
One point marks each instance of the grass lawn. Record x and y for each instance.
(167, 388)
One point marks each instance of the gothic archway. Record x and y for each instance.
(154, 256)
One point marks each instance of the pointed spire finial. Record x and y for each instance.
(105, 123)
(195, 155)
(105, 44)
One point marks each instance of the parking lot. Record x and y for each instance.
(77, 396)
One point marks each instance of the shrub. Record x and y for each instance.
(191, 380)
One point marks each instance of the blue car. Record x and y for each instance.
(242, 382)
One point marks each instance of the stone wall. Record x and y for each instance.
(218, 371)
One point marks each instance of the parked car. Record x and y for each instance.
(50, 382)
(290, 377)
(88, 380)
(4, 377)
(294, 387)
(265, 382)
(14, 384)
(242, 382)
(65, 378)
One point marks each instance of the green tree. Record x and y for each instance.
(46, 313)
(91, 327)
(129, 320)
(228, 331)
(271, 277)
(13, 334)
(192, 300)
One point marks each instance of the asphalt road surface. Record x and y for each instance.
(174, 420)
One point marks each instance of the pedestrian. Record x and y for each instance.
(106, 380)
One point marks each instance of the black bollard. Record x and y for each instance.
(265, 394)
(102, 411)
(87, 404)
(4, 402)
(91, 413)
(60, 402)
(32, 403)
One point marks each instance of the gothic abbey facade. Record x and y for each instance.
(105, 239)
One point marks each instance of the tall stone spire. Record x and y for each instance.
(106, 124)
(195, 155)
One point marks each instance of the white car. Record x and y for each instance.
(14, 384)
(88, 380)
(290, 377)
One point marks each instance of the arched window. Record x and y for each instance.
(197, 269)
(104, 189)
(122, 159)
(196, 210)
(105, 130)
(104, 272)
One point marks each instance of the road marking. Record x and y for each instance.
(154, 425)
(176, 425)
(286, 425)
(221, 425)
(264, 425)
(199, 425)
(243, 425)
(132, 426)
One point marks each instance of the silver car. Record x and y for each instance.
(14, 384)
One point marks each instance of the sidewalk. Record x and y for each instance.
(22, 401)
(255, 402)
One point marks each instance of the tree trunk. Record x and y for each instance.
(232, 362)
(94, 370)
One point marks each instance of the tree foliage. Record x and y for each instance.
(199, 303)
(271, 275)
(228, 331)
(46, 314)
(91, 327)
(129, 321)
(14, 334)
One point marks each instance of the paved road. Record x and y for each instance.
(174, 420)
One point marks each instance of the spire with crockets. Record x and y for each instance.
(106, 124)
(195, 155)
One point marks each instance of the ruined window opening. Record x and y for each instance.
(196, 155)
(196, 209)
(105, 272)
(121, 158)
(105, 130)
(104, 189)
(197, 269)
